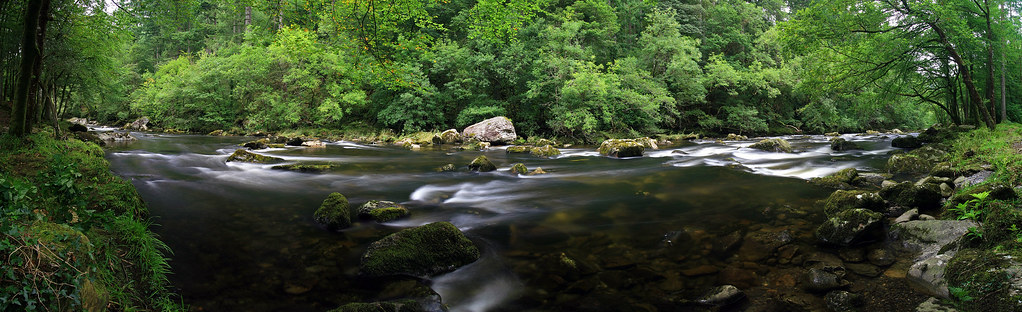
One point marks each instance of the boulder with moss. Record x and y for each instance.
(335, 213)
(776, 145)
(842, 200)
(840, 144)
(482, 164)
(519, 168)
(241, 155)
(256, 144)
(304, 168)
(621, 148)
(382, 211)
(986, 280)
(446, 168)
(422, 251)
(851, 227)
(450, 136)
(906, 142)
(518, 149)
(544, 151)
(840, 180)
(735, 137)
(909, 195)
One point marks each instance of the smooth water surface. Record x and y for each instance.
(649, 228)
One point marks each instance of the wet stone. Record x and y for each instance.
(737, 276)
(705, 269)
(864, 269)
(728, 242)
(818, 280)
(843, 301)
(881, 257)
(722, 296)
(852, 254)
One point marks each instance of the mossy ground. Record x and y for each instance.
(74, 236)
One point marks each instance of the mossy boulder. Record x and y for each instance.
(544, 151)
(985, 280)
(519, 168)
(937, 134)
(840, 180)
(840, 144)
(906, 142)
(257, 144)
(538, 171)
(446, 168)
(921, 160)
(773, 145)
(450, 136)
(996, 192)
(334, 213)
(518, 149)
(621, 148)
(648, 143)
(304, 168)
(909, 195)
(77, 128)
(842, 200)
(61, 239)
(241, 155)
(735, 137)
(422, 251)
(851, 227)
(482, 164)
(382, 211)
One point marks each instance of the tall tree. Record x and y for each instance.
(30, 57)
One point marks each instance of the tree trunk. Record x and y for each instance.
(1004, 99)
(35, 108)
(966, 77)
(248, 16)
(19, 113)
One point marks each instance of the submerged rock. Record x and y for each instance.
(497, 130)
(819, 280)
(621, 148)
(851, 227)
(722, 296)
(843, 301)
(382, 211)
(776, 145)
(241, 155)
(421, 251)
(446, 168)
(450, 136)
(482, 164)
(304, 168)
(840, 144)
(935, 305)
(334, 213)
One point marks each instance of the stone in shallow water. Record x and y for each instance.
(934, 305)
(819, 280)
(421, 251)
(851, 227)
(843, 301)
(482, 164)
(722, 296)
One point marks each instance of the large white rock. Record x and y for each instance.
(494, 130)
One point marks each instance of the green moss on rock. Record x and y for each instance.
(482, 164)
(920, 160)
(518, 149)
(250, 157)
(334, 213)
(304, 168)
(544, 151)
(446, 168)
(840, 144)
(621, 148)
(773, 145)
(842, 200)
(839, 180)
(257, 144)
(851, 227)
(406, 305)
(984, 280)
(388, 214)
(907, 194)
(519, 168)
(421, 251)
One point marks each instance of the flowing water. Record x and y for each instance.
(636, 232)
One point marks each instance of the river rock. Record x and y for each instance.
(334, 213)
(110, 136)
(909, 195)
(256, 144)
(851, 227)
(382, 211)
(422, 251)
(537, 171)
(935, 305)
(910, 215)
(840, 144)
(140, 124)
(621, 148)
(519, 168)
(313, 143)
(241, 155)
(304, 167)
(842, 200)
(881, 257)
(721, 296)
(77, 128)
(88, 136)
(928, 275)
(544, 151)
(921, 160)
(776, 145)
(843, 301)
(906, 142)
(864, 269)
(818, 280)
(496, 130)
(735, 137)
(450, 136)
(928, 237)
(446, 168)
(839, 180)
(295, 141)
(518, 149)
(648, 143)
(482, 164)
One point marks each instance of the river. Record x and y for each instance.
(653, 228)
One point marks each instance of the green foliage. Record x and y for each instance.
(971, 209)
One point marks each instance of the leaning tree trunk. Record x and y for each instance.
(30, 52)
(974, 96)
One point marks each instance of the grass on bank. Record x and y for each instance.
(73, 236)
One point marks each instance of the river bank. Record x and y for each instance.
(75, 237)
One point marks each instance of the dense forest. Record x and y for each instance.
(578, 69)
